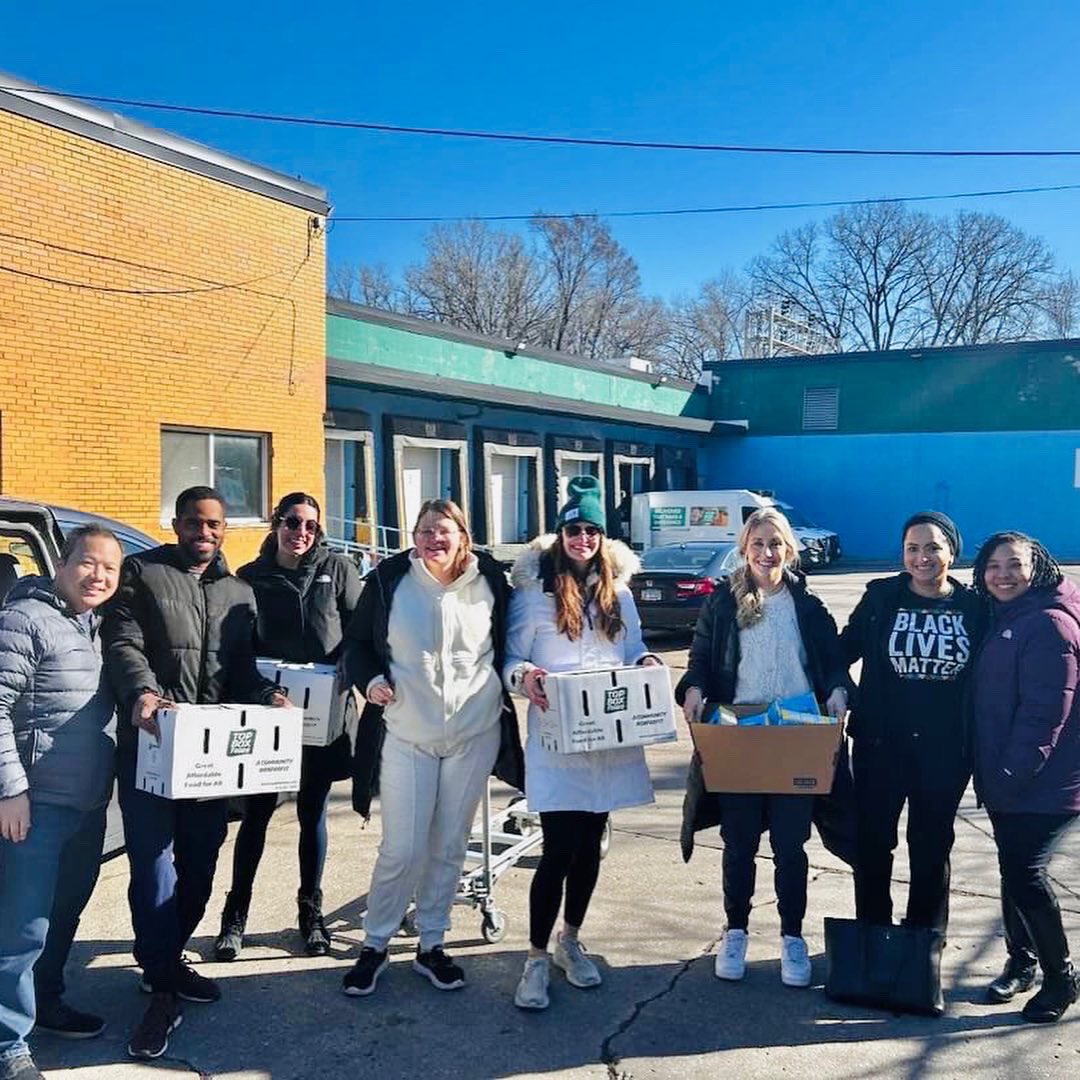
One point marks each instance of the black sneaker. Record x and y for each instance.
(23, 1068)
(60, 1019)
(364, 974)
(161, 1019)
(439, 969)
(188, 984)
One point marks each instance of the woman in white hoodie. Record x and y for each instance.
(424, 645)
(571, 611)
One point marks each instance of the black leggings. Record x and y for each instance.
(310, 812)
(571, 855)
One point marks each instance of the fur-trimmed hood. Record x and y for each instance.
(526, 572)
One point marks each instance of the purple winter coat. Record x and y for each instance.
(1027, 704)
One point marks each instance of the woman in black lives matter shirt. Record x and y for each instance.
(916, 634)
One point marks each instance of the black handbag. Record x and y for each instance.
(887, 967)
(834, 814)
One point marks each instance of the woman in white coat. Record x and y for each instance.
(571, 610)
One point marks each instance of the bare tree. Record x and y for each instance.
(1061, 306)
(705, 328)
(859, 277)
(480, 279)
(987, 281)
(363, 284)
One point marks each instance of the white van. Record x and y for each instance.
(673, 517)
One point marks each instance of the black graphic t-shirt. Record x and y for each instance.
(927, 648)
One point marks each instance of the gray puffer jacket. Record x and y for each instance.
(56, 710)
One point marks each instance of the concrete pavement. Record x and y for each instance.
(653, 923)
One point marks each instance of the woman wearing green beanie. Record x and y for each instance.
(571, 611)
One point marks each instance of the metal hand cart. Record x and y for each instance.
(497, 842)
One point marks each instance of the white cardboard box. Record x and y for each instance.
(311, 687)
(606, 709)
(214, 751)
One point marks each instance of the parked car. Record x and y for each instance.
(675, 580)
(131, 539)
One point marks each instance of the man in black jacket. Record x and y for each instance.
(181, 630)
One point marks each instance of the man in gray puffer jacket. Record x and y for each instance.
(56, 774)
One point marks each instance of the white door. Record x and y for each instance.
(505, 525)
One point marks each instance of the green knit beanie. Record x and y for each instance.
(584, 504)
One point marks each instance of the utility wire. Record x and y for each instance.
(697, 210)
(549, 140)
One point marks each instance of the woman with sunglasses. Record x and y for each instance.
(571, 611)
(305, 594)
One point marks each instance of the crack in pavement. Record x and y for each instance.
(607, 1056)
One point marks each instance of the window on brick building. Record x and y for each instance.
(235, 464)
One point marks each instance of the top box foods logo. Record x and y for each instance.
(615, 700)
(241, 742)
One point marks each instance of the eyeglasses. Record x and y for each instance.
(307, 524)
(436, 534)
(576, 530)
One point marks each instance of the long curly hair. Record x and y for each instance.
(1045, 572)
(574, 594)
(749, 602)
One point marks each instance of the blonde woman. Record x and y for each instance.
(424, 646)
(571, 611)
(763, 635)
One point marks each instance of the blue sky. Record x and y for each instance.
(909, 75)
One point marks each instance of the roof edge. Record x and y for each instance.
(411, 324)
(81, 118)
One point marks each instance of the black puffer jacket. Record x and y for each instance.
(714, 666)
(302, 616)
(367, 656)
(188, 638)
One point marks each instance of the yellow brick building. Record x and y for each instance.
(162, 320)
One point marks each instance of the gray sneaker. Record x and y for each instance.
(580, 970)
(532, 988)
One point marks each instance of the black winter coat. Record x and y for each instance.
(302, 616)
(366, 656)
(864, 639)
(188, 638)
(714, 665)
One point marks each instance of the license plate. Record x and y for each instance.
(651, 594)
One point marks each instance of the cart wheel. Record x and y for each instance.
(605, 839)
(494, 926)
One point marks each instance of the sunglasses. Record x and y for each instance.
(576, 530)
(307, 524)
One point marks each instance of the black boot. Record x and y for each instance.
(1019, 974)
(1061, 984)
(312, 928)
(233, 921)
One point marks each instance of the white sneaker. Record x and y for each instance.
(794, 962)
(731, 956)
(532, 987)
(580, 970)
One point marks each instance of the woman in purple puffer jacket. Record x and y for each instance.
(1027, 747)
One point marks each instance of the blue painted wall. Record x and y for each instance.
(864, 486)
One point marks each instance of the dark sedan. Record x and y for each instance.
(675, 580)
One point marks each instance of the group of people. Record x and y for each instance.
(955, 682)
(436, 639)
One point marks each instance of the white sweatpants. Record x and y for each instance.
(428, 796)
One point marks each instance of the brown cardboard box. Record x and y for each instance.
(775, 759)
